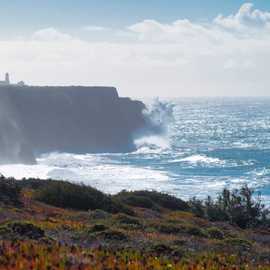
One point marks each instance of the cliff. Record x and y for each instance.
(36, 120)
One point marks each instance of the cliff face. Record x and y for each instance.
(35, 120)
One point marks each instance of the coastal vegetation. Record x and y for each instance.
(47, 224)
(238, 207)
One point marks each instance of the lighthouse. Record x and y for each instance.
(6, 81)
(7, 78)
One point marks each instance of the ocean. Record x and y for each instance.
(207, 144)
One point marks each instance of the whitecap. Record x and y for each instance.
(20, 171)
(91, 170)
(202, 159)
(62, 174)
(152, 145)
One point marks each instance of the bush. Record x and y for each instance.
(125, 219)
(99, 214)
(170, 229)
(215, 233)
(136, 201)
(114, 235)
(151, 200)
(80, 197)
(161, 249)
(9, 191)
(196, 231)
(238, 243)
(236, 207)
(197, 207)
(21, 230)
(33, 183)
(98, 228)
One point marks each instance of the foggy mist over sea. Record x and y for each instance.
(205, 144)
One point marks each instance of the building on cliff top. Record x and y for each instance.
(7, 81)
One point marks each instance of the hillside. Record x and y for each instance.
(58, 225)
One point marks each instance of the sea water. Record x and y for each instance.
(207, 144)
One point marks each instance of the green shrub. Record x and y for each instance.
(136, 201)
(80, 197)
(196, 231)
(151, 200)
(125, 219)
(97, 228)
(21, 230)
(9, 191)
(161, 248)
(33, 183)
(238, 243)
(238, 207)
(170, 229)
(215, 233)
(99, 214)
(197, 207)
(113, 235)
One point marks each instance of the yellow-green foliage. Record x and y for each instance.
(38, 256)
(39, 236)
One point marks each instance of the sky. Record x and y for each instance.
(145, 48)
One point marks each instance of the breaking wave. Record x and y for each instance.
(152, 144)
(159, 115)
(96, 170)
(155, 138)
(202, 160)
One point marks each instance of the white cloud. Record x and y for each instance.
(178, 31)
(246, 17)
(183, 58)
(94, 28)
(51, 34)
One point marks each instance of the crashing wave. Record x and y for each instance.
(158, 115)
(154, 138)
(203, 160)
(152, 144)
